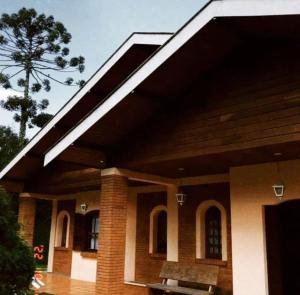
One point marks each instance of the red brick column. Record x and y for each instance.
(111, 253)
(26, 217)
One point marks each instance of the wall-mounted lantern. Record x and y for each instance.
(83, 207)
(278, 190)
(278, 187)
(181, 197)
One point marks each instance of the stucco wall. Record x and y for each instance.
(251, 189)
(83, 268)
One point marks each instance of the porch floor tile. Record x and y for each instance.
(59, 284)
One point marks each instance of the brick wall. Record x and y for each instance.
(26, 218)
(187, 226)
(111, 253)
(63, 256)
(147, 267)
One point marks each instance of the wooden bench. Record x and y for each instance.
(204, 275)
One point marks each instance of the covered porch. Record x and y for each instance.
(141, 226)
(212, 114)
(132, 247)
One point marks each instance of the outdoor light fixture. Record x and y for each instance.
(278, 187)
(180, 198)
(83, 207)
(278, 190)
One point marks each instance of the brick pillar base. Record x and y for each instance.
(26, 218)
(111, 253)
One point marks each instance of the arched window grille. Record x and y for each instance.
(213, 233)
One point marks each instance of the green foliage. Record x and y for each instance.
(16, 258)
(41, 119)
(9, 145)
(28, 109)
(33, 49)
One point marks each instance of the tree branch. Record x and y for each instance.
(15, 74)
(53, 79)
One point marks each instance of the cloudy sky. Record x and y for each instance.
(98, 27)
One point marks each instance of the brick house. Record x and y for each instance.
(210, 113)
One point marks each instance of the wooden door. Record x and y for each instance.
(273, 245)
(290, 246)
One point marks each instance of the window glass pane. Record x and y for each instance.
(97, 225)
(161, 238)
(64, 232)
(93, 231)
(213, 233)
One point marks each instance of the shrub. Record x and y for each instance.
(17, 264)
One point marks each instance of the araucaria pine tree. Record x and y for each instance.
(33, 53)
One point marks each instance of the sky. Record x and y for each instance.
(98, 28)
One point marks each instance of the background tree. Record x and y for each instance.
(17, 264)
(32, 53)
(9, 145)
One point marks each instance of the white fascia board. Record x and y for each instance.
(227, 8)
(134, 39)
(220, 8)
(150, 38)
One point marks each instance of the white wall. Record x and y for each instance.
(84, 269)
(52, 236)
(251, 189)
(130, 248)
(172, 232)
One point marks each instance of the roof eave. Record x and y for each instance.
(133, 39)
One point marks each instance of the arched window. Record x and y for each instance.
(211, 231)
(158, 230)
(62, 229)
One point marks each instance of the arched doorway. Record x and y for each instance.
(283, 247)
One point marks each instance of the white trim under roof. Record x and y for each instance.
(218, 8)
(134, 39)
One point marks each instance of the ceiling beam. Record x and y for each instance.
(138, 176)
